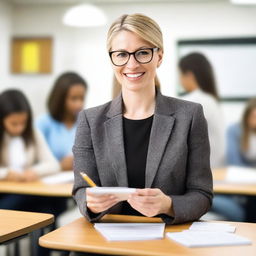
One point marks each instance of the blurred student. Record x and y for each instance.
(241, 151)
(197, 78)
(24, 154)
(241, 139)
(58, 126)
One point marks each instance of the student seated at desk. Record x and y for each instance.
(59, 125)
(24, 154)
(241, 151)
(241, 139)
(143, 139)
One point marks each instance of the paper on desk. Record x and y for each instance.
(212, 226)
(238, 174)
(131, 231)
(121, 192)
(204, 238)
(61, 177)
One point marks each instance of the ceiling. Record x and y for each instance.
(105, 1)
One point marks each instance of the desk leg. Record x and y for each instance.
(17, 248)
(35, 248)
(251, 209)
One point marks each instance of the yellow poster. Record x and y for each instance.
(30, 54)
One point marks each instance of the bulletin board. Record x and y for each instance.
(31, 55)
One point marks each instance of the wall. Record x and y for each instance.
(83, 49)
(5, 28)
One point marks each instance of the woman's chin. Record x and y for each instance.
(134, 87)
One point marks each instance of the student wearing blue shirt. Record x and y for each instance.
(58, 126)
(241, 138)
(241, 151)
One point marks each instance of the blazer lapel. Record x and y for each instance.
(160, 132)
(114, 132)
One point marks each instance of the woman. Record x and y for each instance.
(24, 154)
(241, 151)
(197, 78)
(142, 139)
(241, 139)
(65, 101)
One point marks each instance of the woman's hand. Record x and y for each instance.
(30, 175)
(151, 202)
(100, 203)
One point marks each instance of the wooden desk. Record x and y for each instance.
(222, 187)
(17, 223)
(36, 188)
(80, 235)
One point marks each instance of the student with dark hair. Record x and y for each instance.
(58, 126)
(197, 78)
(24, 154)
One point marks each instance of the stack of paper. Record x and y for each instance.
(202, 234)
(206, 238)
(211, 226)
(61, 177)
(131, 231)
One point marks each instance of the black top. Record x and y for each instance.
(136, 140)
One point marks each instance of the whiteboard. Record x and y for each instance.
(234, 65)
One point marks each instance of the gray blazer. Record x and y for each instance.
(177, 161)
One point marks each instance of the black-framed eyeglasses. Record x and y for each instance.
(143, 56)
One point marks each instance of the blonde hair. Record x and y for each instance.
(141, 25)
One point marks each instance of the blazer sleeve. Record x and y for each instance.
(197, 199)
(84, 161)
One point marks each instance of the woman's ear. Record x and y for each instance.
(160, 58)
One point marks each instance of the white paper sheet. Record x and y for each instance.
(61, 177)
(205, 238)
(121, 192)
(211, 226)
(131, 231)
(241, 175)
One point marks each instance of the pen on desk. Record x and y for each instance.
(88, 179)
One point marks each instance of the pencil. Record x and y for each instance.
(88, 179)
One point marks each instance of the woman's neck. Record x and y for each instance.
(139, 104)
(69, 120)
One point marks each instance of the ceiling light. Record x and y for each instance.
(85, 15)
(243, 2)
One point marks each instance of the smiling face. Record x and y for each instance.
(135, 76)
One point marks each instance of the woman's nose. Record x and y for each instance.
(132, 62)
